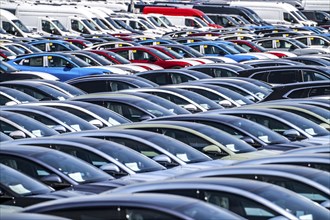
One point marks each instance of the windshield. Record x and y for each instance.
(173, 53)
(296, 16)
(229, 49)
(201, 22)
(235, 145)
(160, 54)
(153, 109)
(155, 22)
(89, 24)
(293, 203)
(100, 23)
(6, 68)
(256, 90)
(308, 126)
(16, 50)
(301, 15)
(166, 21)
(21, 26)
(253, 16)
(59, 25)
(199, 99)
(131, 159)
(18, 95)
(261, 132)
(76, 169)
(79, 62)
(187, 51)
(207, 19)
(298, 43)
(146, 23)
(114, 24)
(21, 184)
(35, 127)
(240, 99)
(182, 151)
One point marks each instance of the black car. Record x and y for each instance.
(248, 198)
(311, 183)
(133, 207)
(321, 17)
(131, 107)
(56, 169)
(172, 76)
(37, 90)
(310, 60)
(9, 96)
(287, 74)
(20, 126)
(18, 189)
(299, 90)
(59, 120)
(216, 70)
(108, 83)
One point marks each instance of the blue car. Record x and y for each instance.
(54, 45)
(220, 48)
(63, 66)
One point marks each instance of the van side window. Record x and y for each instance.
(77, 26)
(49, 28)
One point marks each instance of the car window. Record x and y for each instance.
(132, 113)
(286, 76)
(117, 85)
(140, 55)
(4, 99)
(283, 44)
(33, 61)
(196, 47)
(160, 79)
(57, 47)
(311, 75)
(41, 46)
(320, 91)
(177, 100)
(123, 53)
(240, 205)
(260, 76)
(55, 61)
(273, 124)
(266, 44)
(30, 91)
(93, 86)
(210, 95)
(25, 166)
(50, 123)
(7, 128)
(302, 40)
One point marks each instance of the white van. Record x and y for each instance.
(277, 13)
(320, 5)
(12, 25)
(75, 19)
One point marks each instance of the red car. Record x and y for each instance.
(117, 59)
(253, 47)
(143, 54)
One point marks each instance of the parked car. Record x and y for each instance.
(252, 133)
(59, 120)
(57, 169)
(21, 190)
(94, 114)
(37, 90)
(131, 107)
(109, 83)
(53, 45)
(299, 90)
(317, 161)
(310, 60)
(310, 183)
(206, 139)
(135, 206)
(237, 195)
(63, 66)
(145, 54)
(172, 76)
(9, 96)
(285, 123)
(19, 126)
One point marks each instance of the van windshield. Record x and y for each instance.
(296, 16)
(207, 19)
(100, 23)
(254, 17)
(59, 25)
(21, 26)
(201, 22)
(166, 21)
(301, 15)
(113, 23)
(89, 24)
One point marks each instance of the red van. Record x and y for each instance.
(174, 11)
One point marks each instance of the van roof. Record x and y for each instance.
(175, 11)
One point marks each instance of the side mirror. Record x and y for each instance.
(226, 103)
(69, 65)
(60, 129)
(10, 103)
(326, 204)
(248, 140)
(163, 160)
(145, 117)
(190, 107)
(97, 123)
(17, 134)
(50, 179)
(291, 134)
(111, 169)
(326, 44)
(214, 151)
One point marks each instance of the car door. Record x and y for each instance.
(60, 67)
(34, 63)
